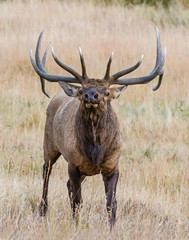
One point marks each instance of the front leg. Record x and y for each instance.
(110, 183)
(74, 189)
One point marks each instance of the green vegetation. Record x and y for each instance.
(165, 3)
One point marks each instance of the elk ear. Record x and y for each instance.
(118, 91)
(70, 90)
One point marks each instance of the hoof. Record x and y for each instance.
(43, 208)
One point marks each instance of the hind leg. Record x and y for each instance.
(47, 168)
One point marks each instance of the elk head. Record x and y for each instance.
(95, 93)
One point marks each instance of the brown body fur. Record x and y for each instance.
(86, 132)
(65, 134)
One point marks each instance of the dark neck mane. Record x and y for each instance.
(96, 130)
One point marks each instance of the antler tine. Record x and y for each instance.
(157, 71)
(42, 79)
(45, 55)
(117, 75)
(107, 74)
(49, 77)
(37, 52)
(65, 67)
(43, 74)
(40, 64)
(84, 73)
(159, 81)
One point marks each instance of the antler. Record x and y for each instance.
(157, 71)
(111, 79)
(84, 73)
(39, 68)
(43, 64)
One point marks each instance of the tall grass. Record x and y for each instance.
(164, 3)
(153, 188)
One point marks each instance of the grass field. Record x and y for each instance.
(153, 188)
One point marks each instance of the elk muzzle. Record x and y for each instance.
(91, 99)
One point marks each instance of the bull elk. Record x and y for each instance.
(82, 126)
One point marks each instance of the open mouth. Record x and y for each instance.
(90, 105)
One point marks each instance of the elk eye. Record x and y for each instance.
(106, 94)
(80, 91)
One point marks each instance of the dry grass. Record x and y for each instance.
(153, 189)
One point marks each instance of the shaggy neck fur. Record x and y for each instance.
(96, 131)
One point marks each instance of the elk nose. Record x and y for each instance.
(91, 96)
